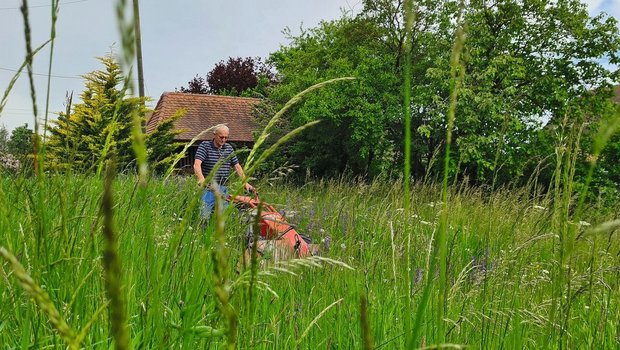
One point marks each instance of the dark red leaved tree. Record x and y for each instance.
(233, 77)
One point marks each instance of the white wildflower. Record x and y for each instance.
(9, 162)
(584, 223)
(343, 246)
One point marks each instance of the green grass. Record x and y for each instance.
(499, 292)
(126, 263)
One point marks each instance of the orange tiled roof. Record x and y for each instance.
(205, 111)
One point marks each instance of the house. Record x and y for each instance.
(202, 112)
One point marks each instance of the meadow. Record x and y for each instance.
(101, 261)
(181, 288)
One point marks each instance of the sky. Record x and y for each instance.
(180, 39)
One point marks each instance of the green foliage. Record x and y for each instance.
(16, 151)
(21, 142)
(353, 135)
(517, 270)
(604, 155)
(526, 61)
(592, 114)
(101, 126)
(98, 126)
(161, 144)
(609, 161)
(4, 139)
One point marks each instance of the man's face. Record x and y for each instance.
(221, 136)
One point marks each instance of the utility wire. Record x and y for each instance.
(37, 6)
(44, 75)
(53, 76)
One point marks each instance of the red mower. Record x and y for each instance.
(277, 239)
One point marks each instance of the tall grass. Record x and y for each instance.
(170, 293)
(411, 337)
(505, 269)
(438, 260)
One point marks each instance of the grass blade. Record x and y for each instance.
(41, 299)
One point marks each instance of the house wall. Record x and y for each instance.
(186, 165)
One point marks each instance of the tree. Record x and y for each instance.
(20, 144)
(100, 126)
(161, 144)
(4, 139)
(196, 86)
(581, 130)
(352, 136)
(526, 61)
(431, 44)
(236, 77)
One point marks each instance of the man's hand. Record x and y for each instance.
(249, 187)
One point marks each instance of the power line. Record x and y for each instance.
(37, 6)
(53, 76)
(16, 112)
(44, 75)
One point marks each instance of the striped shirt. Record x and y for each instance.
(210, 155)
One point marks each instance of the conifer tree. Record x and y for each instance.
(100, 126)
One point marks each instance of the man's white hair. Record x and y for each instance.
(219, 127)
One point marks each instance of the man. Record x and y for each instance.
(209, 153)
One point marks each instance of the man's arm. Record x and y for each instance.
(201, 155)
(198, 171)
(239, 171)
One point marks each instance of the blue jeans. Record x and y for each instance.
(208, 201)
